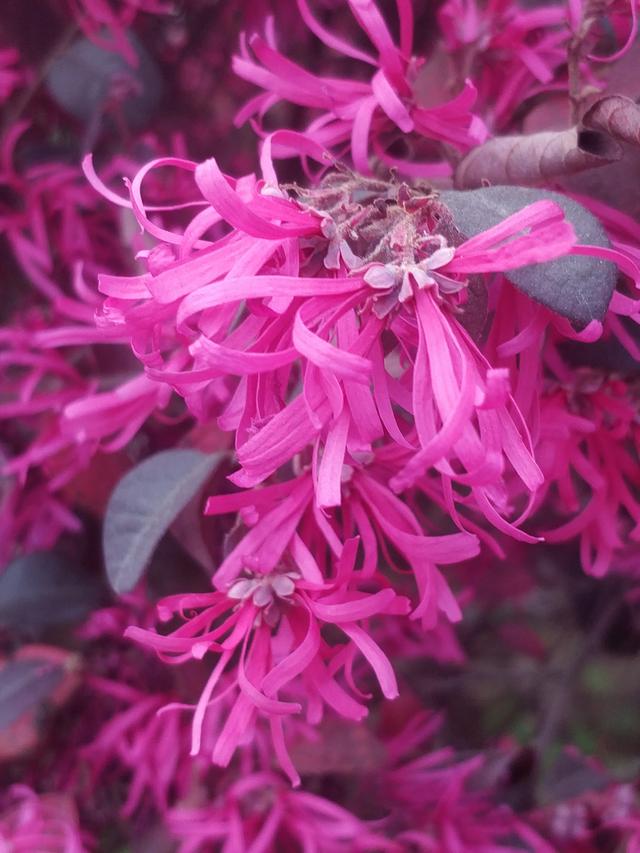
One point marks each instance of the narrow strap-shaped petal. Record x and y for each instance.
(265, 704)
(215, 188)
(355, 609)
(625, 263)
(305, 561)
(280, 748)
(238, 362)
(454, 398)
(188, 274)
(360, 130)
(383, 399)
(390, 103)
(125, 286)
(549, 236)
(295, 663)
(241, 719)
(327, 357)
(368, 16)
(258, 287)
(330, 39)
(333, 694)
(405, 15)
(329, 480)
(221, 504)
(203, 701)
(378, 660)
(265, 840)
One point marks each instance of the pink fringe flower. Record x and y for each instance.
(434, 796)
(274, 620)
(332, 336)
(588, 451)
(259, 813)
(30, 822)
(151, 747)
(511, 53)
(362, 115)
(286, 524)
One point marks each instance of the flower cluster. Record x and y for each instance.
(339, 407)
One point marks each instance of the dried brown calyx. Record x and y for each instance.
(395, 234)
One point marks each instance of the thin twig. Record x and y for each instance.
(559, 705)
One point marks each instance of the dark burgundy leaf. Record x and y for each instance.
(571, 775)
(44, 589)
(535, 158)
(617, 116)
(86, 80)
(144, 505)
(475, 310)
(576, 287)
(24, 684)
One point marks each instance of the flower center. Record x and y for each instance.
(385, 230)
(267, 592)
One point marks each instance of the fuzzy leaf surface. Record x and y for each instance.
(45, 589)
(577, 287)
(144, 505)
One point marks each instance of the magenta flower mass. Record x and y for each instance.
(319, 407)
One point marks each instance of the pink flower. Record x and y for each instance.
(330, 337)
(588, 448)
(29, 821)
(70, 416)
(287, 525)
(61, 233)
(259, 813)
(31, 519)
(65, 419)
(511, 53)
(273, 620)
(11, 75)
(107, 24)
(362, 114)
(434, 796)
(151, 747)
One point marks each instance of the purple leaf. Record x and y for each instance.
(535, 158)
(24, 684)
(576, 287)
(144, 505)
(45, 589)
(616, 115)
(86, 80)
